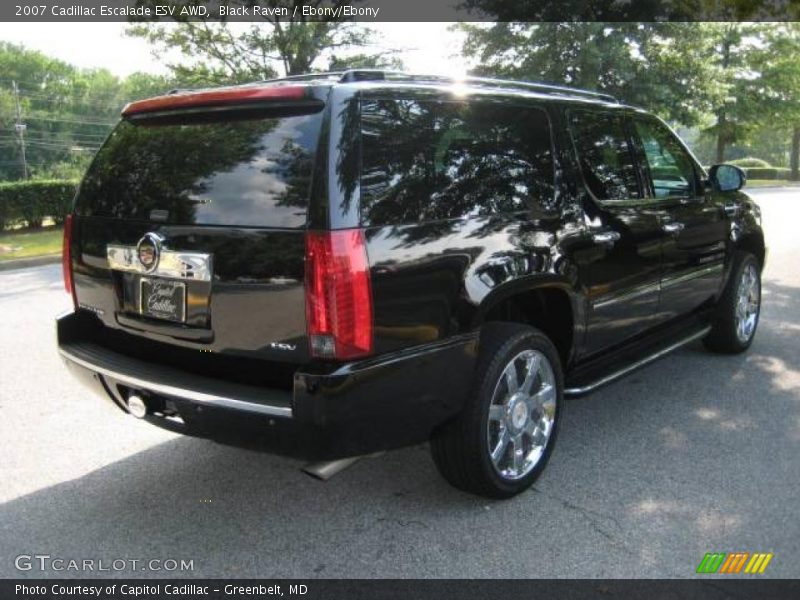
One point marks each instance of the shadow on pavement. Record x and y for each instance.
(684, 457)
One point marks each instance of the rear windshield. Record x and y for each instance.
(251, 172)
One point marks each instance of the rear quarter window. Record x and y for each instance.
(247, 172)
(431, 160)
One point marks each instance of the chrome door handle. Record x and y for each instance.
(605, 237)
(730, 209)
(672, 227)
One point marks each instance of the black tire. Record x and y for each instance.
(725, 335)
(460, 449)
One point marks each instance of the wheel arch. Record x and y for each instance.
(754, 244)
(550, 305)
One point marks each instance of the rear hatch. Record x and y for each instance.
(189, 227)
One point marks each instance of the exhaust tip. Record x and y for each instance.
(137, 406)
(325, 470)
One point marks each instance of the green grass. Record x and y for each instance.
(25, 244)
(771, 183)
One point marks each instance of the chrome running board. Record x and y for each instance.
(580, 391)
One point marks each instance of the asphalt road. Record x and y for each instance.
(695, 453)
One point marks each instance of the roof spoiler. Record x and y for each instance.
(182, 100)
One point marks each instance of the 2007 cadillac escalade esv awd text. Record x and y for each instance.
(333, 265)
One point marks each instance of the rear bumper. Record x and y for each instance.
(358, 408)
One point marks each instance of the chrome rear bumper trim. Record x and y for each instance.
(579, 391)
(177, 392)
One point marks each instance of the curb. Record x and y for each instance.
(33, 261)
(771, 187)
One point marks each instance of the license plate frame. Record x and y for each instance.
(172, 304)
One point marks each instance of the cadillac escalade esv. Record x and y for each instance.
(337, 264)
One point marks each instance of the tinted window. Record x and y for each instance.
(442, 160)
(669, 165)
(604, 154)
(253, 172)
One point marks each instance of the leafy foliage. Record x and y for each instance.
(217, 52)
(67, 112)
(29, 202)
(732, 80)
(766, 173)
(779, 68)
(640, 63)
(750, 162)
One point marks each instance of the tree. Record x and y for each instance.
(733, 51)
(144, 85)
(685, 72)
(221, 52)
(779, 83)
(647, 64)
(67, 111)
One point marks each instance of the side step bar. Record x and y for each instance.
(590, 387)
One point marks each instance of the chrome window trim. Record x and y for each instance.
(175, 264)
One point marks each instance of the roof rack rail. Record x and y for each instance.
(334, 75)
(353, 75)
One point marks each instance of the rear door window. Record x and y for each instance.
(247, 172)
(430, 160)
(604, 155)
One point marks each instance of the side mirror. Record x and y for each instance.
(726, 178)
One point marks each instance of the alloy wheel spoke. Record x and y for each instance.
(535, 432)
(500, 448)
(511, 378)
(497, 412)
(518, 449)
(539, 399)
(531, 370)
(530, 429)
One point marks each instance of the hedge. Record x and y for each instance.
(29, 202)
(766, 173)
(750, 162)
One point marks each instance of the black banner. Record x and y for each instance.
(398, 11)
(437, 589)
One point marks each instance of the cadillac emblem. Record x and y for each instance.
(148, 251)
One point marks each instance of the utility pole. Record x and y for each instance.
(20, 128)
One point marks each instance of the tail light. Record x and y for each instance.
(66, 257)
(338, 294)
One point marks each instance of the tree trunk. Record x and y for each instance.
(721, 137)
(722, 123)
(794, 160)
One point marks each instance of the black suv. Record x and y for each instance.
(333, 265)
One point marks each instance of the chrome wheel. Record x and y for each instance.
(521, 414)
(748, 301)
